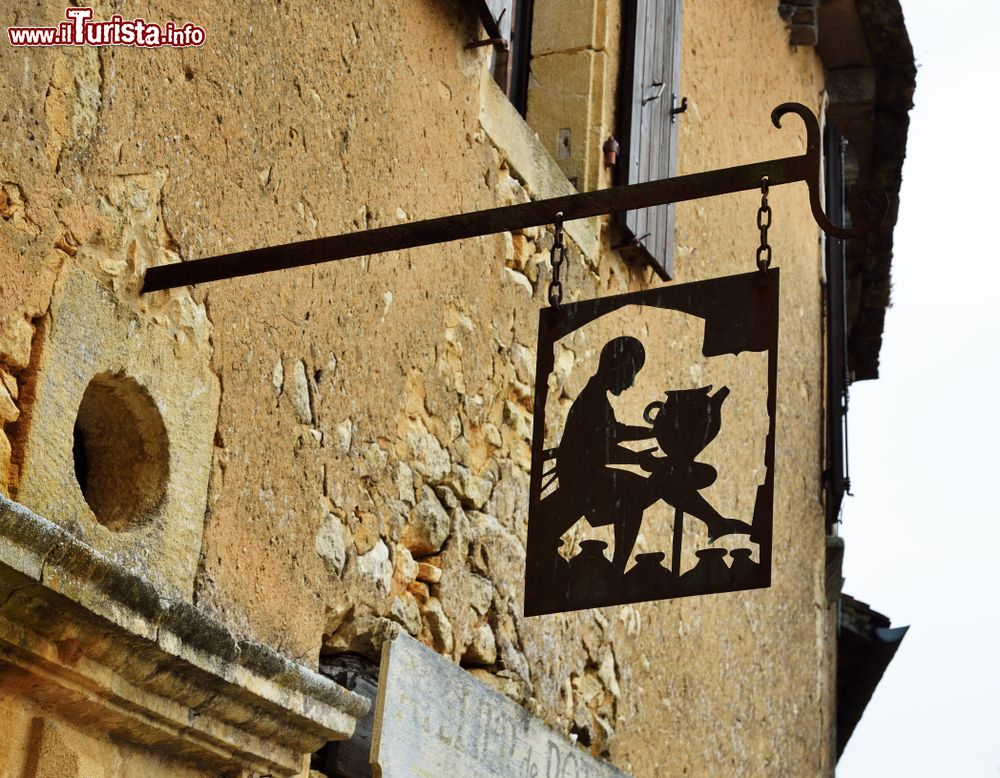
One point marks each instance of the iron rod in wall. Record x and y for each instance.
(786, 170)
(471, 225)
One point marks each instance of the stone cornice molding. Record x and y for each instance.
(870, 78)
(83, 635)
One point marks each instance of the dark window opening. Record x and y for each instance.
(349, 758)
(120, 452)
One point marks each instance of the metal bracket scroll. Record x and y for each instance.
(868, 206)
(868, 202)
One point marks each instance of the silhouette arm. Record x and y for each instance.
(631, 432)
(626, 456)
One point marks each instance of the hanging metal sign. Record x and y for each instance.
(653, 469)
(596, 464)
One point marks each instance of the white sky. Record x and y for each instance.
(922, 535)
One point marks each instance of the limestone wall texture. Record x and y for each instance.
(40, 745)
(370, 445)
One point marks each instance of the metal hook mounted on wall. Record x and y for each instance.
(868, 202)
(868, 206)
(676, 109)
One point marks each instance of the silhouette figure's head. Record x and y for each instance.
(621, 360)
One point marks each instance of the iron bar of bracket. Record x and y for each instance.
(871, 203)
(500, 43)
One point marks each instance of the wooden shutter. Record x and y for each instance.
(649, 85)
(836, 478)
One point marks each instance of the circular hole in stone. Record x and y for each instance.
(120, 451)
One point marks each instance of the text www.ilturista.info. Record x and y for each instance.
(79, 30)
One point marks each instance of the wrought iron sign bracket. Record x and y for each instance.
(868, 206)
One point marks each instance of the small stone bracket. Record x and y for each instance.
(79, 632)
(803, 20)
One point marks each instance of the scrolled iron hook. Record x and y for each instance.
(868, 202)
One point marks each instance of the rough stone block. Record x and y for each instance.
(331, 544)
(564, 103)
(93, 335)
(483, 648)
(8, 411)
(568, 24)
(428, 572)
(532, 163)
(428, 527)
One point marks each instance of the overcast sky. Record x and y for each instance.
(922, 533)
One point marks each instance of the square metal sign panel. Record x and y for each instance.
(652, 472)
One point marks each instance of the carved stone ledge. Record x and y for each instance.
(98, 644)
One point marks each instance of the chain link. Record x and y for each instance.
(763, 223)
(557, 256)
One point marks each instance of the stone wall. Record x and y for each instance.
(574, 78)
(369, 461)
(37, 745)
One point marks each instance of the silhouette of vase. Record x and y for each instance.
(589, 572)
(649, 579)
(687, 421)
(711, 574)
(743, 569)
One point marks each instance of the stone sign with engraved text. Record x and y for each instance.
(432, 718)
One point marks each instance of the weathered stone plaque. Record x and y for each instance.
(432, 718)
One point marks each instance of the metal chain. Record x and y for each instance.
(763, 223)
(556, 257)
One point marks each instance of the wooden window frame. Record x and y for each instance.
(510, 20)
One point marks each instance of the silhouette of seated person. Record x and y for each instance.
(591, 487)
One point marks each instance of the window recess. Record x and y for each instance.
(508, 28)
(649, 105)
